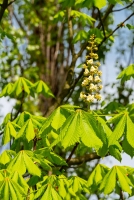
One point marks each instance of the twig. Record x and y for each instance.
(120, 25)
(70, 156)
(101, 23)
(121, 195)
(123, 8)
(108, 11)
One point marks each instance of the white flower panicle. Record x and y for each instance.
(92, 80)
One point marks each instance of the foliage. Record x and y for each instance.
(39, 69)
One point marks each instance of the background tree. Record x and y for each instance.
(50, 45)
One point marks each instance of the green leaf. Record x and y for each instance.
(99, 3)
(20, 180)
(6, 156)
(86, 3)
(123, 179)
(51, 156)
(97, 176)
(8, 132)
(130, 132)
(127, 73)
(115, 152)
(78, 127)
(109, 181)
(127, 147)
(119, 130)
(21, 162)
(81, 35)
(78, 184)
(11, 190)
(41, 87)
(58, 117)
(21, 88)
(27, 130)
(86, 19)
(115, 2)
(22, 118)
(130, 26)
(7, 90)
(60, 16)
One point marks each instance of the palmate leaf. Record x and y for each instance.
(127, 147)
(9, 132)
(50, 193)
(81, 35)
(22, 118)
(20, 180)
(124, 127)
(85, 3)
(130, 131)
(47, 188)
(7, 90)
(30, 125)
(10, 190)
(78, 184)
(79, 126)
(86, 19)
(41, 87)
(58, 117)
(126, 74)
(115, 151)
(119, 129)
(97, 176)
(23, 162)
(51, 156)
(27, 130)
(7, 156)
(104, 134)
(20, 88)
(109, 182)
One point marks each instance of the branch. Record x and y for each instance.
(108, 11)
(123, 8)
(120, 25)
(4, 6)
(101, 23)
(70, 30)
(11, 2)
(82, 159)
(74, 84)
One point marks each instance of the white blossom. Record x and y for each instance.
(99, 73)
(90, 78)
(100, 87)
(97, 96)
(93, 87)
(90, 98)
(85, 82)
(92, 69)
(90, 61)
(86, 72)
(97, 79)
